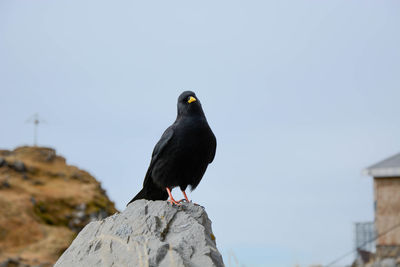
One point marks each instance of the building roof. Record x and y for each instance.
(389, 167)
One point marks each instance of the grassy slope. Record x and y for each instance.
(44, 206)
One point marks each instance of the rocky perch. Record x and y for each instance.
(146, 233)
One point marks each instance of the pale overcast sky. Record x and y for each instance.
(302, 95)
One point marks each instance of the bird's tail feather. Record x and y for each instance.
(140, 195)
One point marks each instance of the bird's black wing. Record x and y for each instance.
(214, 145)
(161, 144)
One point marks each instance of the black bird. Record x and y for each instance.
(182, 155)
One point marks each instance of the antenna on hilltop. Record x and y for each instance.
(36, 120)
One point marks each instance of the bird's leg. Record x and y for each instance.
(171, 198)
(186, 198)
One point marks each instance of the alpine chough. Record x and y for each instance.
(181, 156)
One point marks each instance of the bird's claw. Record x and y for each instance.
(185, 200)
(173, 202)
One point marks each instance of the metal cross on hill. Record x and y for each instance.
(36, 120)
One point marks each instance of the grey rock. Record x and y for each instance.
(3, 162)
(98, 215)
(12, 262)
(147, 233)
(81, 207)
(19, 166)
(80, 214)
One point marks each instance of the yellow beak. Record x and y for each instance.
(191, 99)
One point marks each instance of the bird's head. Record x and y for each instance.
(189, 104)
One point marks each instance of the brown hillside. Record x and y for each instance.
(43, 204)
